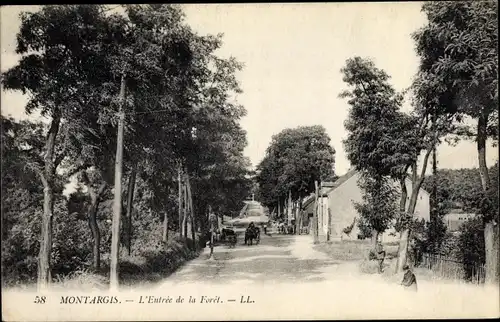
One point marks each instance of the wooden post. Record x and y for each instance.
(315, 214)
(322, 214)
(117, 202)
(328, 236)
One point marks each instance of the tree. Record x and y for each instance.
(373, 114)
(294, 160)
(22, 200)
(178, 111)
(61, 47)
(373, 145)
(386, 142)
(379, 206)
(459, 50)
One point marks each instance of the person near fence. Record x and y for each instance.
(380, 257)
(409, 280)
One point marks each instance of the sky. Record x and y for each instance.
(292, 56)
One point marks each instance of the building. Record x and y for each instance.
(456, 218)
(337, 201)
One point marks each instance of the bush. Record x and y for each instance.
(71, 250)
(157, 261)
(471, 245)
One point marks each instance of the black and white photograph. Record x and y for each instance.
(250, 161)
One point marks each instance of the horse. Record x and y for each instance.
(252, 233)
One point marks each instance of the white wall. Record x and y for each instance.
(341, 202)
(342, 208)
(423, 208)
(422, 211)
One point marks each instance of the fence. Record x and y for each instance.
(453, 269)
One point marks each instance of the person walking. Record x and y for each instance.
(213, 225)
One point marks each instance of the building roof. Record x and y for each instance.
(327, 187)
(338, 182)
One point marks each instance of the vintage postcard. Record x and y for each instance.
(271, 161)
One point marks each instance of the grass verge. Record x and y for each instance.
(145, 267)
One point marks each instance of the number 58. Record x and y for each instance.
(39, 300)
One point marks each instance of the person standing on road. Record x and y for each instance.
(213, 225)
(409, 280)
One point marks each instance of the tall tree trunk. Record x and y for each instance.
(44, 265)
(402, 212)
(94, 227)
(375, 234)
(406, 230)
(299, 215)
(47, 177)
(481, 151)
(377, 202)
(491, 234)
(179, 200)
(404, 195)
(117, 202)
(130, 202)
(434, 199)
(165, 227)
(184, 213)
(491, 241)
(191, 212)
(289, 206)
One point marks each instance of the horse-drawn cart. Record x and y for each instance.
(228, 235)
(252, 233)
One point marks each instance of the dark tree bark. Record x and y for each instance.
(130, 203)
(47, 177)
(406, 230)
(94, 227)
(179, 199)
(491, 234)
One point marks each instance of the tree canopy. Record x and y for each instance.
(179, 114)
(294, 160)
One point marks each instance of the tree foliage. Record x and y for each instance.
(179, 111)
(458, 49)
(294, 160)
(378, 140)
(379, 204)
